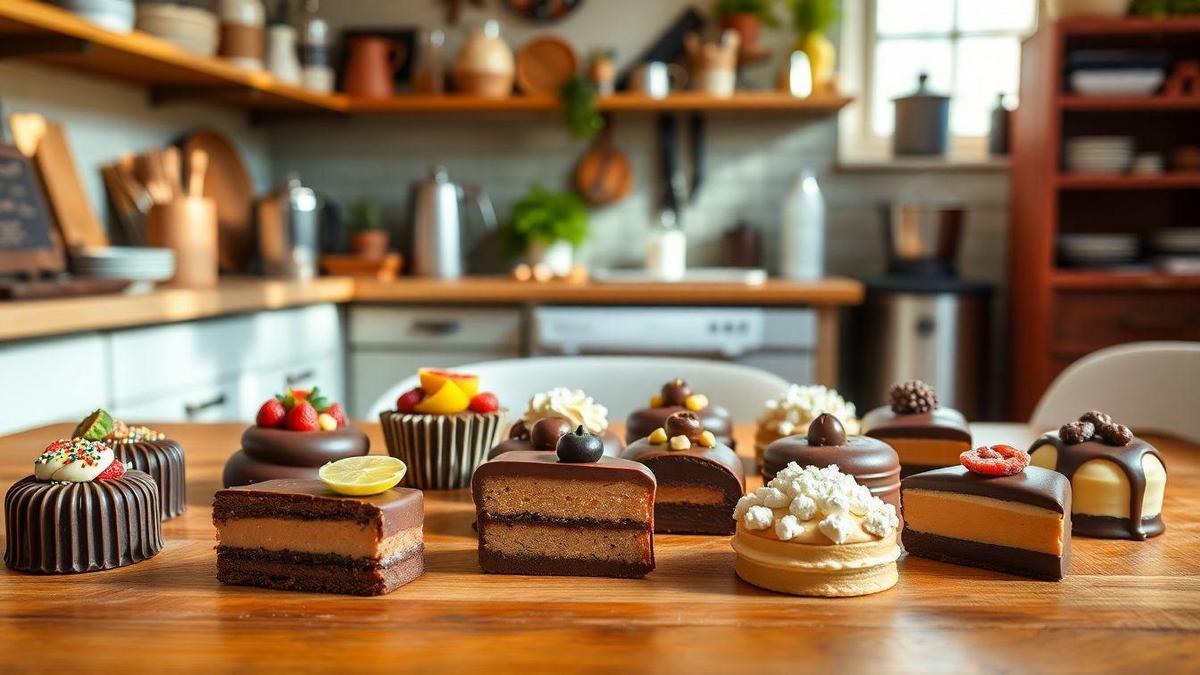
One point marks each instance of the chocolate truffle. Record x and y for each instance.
(297, 535)
(699, 479)
(677, 396)
(539, 515)
(1118, 481)
(1020, 523)
(572, 405)
(870, 461)
(924, 435)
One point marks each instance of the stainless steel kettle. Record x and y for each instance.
(438, 236)
(290, 223)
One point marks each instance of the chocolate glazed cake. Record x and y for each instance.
(699, 480)
(570, 513)
(162, 459)
(1118, 479)
(676, 396)
(871, 462)
(269, 454)
(924, 435)
(297, 535)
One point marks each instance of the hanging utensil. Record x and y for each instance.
(604, 174)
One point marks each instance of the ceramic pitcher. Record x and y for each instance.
(371, 66)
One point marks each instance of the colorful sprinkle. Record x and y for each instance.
(73, 450)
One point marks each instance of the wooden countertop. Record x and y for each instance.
(41, 318)
(1126, 606)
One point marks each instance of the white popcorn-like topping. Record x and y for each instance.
(758, 518)
(842, 508)
(792, 411)
(570, 404)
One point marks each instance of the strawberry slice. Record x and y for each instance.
(113, 471)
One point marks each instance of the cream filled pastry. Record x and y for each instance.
(815, 531)
(794, 409)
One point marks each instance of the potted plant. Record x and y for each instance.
(578, 98)
(548, 227)
(811, 19)
(368, 239)
(746, 18)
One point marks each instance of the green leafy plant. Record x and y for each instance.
(365, 215)
(579, 109)
(763, 9)
(813, 16)
(547, 217)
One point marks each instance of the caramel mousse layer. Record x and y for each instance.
(522, 540)
(928, 451)
(1100, 488)
(688, 494)
(323, 537)
(984, 520)
(564, 499)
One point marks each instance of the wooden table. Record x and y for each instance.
(1126, 606)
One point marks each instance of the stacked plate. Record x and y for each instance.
(125, 262)
(1099, 154)
(1097, 250)
(1177, 250)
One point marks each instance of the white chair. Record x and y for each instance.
(1147, 386)
(620, 383)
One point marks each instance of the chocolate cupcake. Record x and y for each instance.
(145, 450)
(871, 462)
(573, 406)
(443, 429)
(80, 511)
(677, 396)
(295, 434)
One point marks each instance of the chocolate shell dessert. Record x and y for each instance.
(677, 396)
(870, 461)
(924, 435)
(574, 408)
(1118, 479)
(53, 522)
(145, 450)
(793, 410)
(699, 479)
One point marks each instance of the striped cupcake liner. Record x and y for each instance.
(441, 451)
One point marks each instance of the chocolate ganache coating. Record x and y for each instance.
(870, 461)
(672, 399)
(268, 454)
(163, 461)
(545, 433)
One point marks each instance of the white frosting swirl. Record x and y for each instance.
(793, 410)
(570, 404)
(75, 461)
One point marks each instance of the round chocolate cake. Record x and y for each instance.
(268, 454)
(573, 408)
(677, 396)
(162, 459)
(81, 511)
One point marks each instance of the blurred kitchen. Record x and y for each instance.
(206, 200)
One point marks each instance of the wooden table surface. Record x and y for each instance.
(1125, 606)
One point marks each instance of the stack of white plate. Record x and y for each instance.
(190, 28)
(125, 262)
(1117, 81)
(115, 15)
(1098, 250)
(1178, 250)
(1099, 154)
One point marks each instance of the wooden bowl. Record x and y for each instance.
(544, 64)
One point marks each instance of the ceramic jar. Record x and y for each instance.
(485, 65)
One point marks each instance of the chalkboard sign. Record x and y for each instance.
(28, 240)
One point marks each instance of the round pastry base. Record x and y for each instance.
(817, 583)
(242, 469)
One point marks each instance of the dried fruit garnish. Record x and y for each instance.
(996, 460)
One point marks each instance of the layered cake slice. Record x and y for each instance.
(993, 511)
(299, 535)
(572, 512)
(924, 435)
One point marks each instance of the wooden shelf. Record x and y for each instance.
(1104, 280)
(1119, 181)
(1130, 26)
(756, 102)
(1127, 103)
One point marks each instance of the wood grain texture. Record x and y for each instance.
(1126, 605)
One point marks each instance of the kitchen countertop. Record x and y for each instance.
(1125, 606)
(41, 318)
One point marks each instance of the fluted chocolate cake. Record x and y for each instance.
(573, 512)
(298, 535)
(145, 450)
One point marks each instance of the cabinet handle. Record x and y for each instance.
(293, 379)
(446, 327)
(193, 409)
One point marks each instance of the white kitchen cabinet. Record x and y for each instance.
(216, 402)
(176, 358)
(326, 372)
(53, 380)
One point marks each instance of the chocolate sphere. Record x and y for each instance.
(519, 432)
(684, 423)
(675, 392)
(579, 447)
(826, 430)
(546, 432)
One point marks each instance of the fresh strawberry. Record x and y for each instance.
(112, 471)
(302, 417)
(336, 412)
(997, 460)
(485, 403)
(408, 401)
(299, 394)
(271, 414)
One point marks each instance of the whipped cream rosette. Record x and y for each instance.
(794, 409)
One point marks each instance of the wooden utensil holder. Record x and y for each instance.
(188, 226)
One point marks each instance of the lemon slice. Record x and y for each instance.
(362, 476)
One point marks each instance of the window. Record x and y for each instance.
(971, 50)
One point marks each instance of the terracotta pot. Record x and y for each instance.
(371, 67)
(484, 65)
(371, 244)
(747, 26)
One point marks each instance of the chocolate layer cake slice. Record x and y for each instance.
(1019, 523)
(297, 535)
(538, 514)
(924, 435)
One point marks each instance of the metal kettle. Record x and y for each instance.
(438, 236)
(293, 222)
